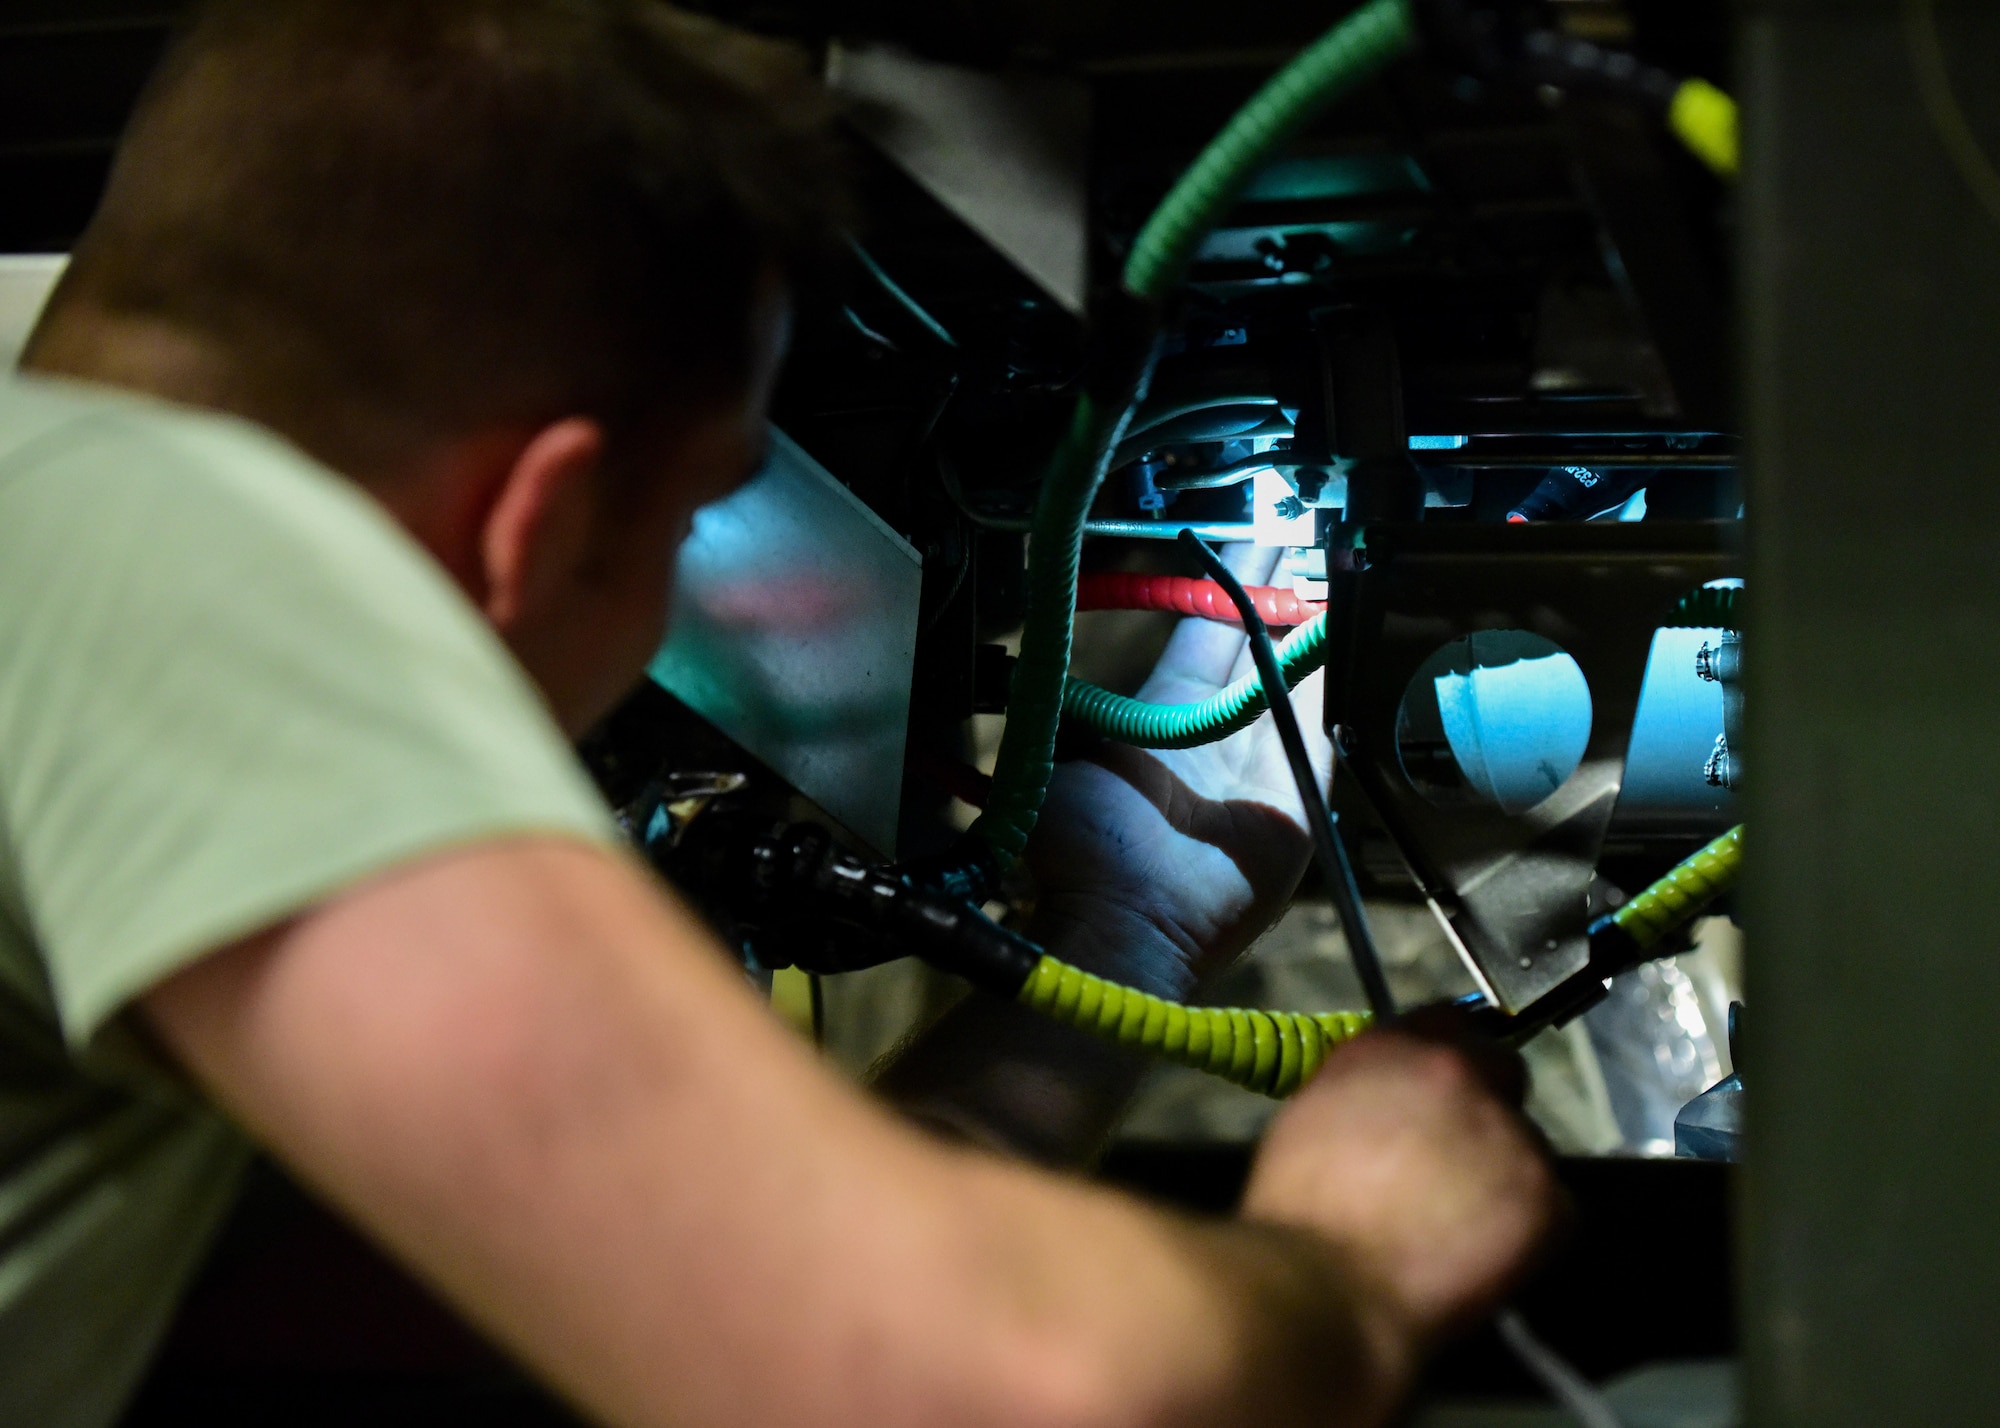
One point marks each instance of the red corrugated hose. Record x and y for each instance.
(1177, 594)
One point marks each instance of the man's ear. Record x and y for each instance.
(539, 527)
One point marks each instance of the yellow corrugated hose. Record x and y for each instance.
(1704, 118)
(1275, 1052)
(1267, 1051)
(1684, 891)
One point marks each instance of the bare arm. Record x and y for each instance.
(531, 1076)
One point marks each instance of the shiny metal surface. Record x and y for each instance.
(794, 632)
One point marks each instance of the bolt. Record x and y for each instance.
(1526, 963)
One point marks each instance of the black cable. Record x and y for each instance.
(902, 299)
(1334, 865)
(1234, 474)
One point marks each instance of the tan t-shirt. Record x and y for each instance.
(230, 686)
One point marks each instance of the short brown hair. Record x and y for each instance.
(407, 217)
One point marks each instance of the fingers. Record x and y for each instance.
(1202, 653)
(1500, 1068)
(1399, 1152)
(1262, 761)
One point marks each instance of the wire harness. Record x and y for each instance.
(1704, 118)
(1360, 46)
(1027, 758)
(1349, 54)
(1271, 1052)
(1178, 595)
(1690, 886)
(1277, 1052)
(1187, 726)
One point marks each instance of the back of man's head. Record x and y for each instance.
(383, 223)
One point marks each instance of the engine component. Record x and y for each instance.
(1722, 663)
(1710, 1127)
(1270, 1052)
(1356, 48)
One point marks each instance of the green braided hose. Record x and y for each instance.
(1360, 46)
(1355, 49)
(1271, 1052)
(1183, 726)
(1027, 757)
(1676, 898)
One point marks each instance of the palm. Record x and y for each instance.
(1161, 866)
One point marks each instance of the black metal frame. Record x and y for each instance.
(1519, 890)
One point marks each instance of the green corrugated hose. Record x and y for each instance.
(1183, 726)
(1675, 899)
(1027, 757)
(1276, 1052)
(1711, 607)
(1272, 1052)
(1353, 51)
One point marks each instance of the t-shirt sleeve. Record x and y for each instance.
(230, 686)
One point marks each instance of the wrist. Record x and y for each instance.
(1118, 944)
(1326, 1324)
(1391, 1337)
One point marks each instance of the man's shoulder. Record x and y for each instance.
(80, 452)
(43, 417)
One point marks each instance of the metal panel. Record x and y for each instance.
(1871, 274)
(794, 632)
(1520, 883)
(1004, 151)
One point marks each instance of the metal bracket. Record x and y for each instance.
(1516, 887)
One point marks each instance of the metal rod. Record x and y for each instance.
(1334, 864)
(1568, 1387)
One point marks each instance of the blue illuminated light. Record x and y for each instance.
(1439, 443)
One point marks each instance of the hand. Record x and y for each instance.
(1153, 869)
(1400, 1153)
(1159, 867)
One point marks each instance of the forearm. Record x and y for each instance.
(600, 1149)
(1003, 1076)
(1164, 1319)
(1010, 1079)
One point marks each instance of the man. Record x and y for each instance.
(294, 851)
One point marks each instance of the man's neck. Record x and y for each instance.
(137, 354)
